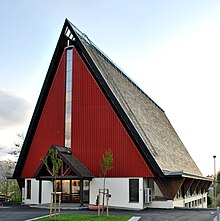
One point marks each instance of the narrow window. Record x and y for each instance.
(28, 189)
(134, 190)
(68, 104)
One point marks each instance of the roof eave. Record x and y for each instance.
(186, 175)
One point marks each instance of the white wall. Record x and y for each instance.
(47, 188)
(34, 192)
(162, 204)
(195, 201)
(119, 190)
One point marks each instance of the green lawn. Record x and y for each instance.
(75, 217)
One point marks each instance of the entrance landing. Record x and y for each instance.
(63, 206)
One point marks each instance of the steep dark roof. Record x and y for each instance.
(149, 120)
(69, 159)
(144, 120)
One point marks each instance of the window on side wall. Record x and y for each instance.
(133, 190)
(28, 189)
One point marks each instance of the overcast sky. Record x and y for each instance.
(170, 48)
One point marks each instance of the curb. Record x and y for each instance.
(37, 218)
(134, 218)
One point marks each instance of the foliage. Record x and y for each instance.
(209, 201)
(76, 217)
(56, 164)
(218, 200)
(218, 177)
(217, 188)
(55, 160)
(107, 162)
(9, 187)
(106, 165)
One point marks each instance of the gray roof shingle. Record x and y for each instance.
(146, 116)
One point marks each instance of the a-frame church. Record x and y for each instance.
(87, 105)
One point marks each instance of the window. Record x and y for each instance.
(68, 104)
(134, 190)
(28, 189)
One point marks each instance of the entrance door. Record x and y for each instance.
(75, 191)
(71, 190)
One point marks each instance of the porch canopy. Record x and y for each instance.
(70, 169)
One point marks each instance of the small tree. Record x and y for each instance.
(106, 165)
(209, 201)
(56, 165)
(9, 187)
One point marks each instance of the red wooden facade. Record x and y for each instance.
(95, 127)
(50, 129)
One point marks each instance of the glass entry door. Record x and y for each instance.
(70, 190)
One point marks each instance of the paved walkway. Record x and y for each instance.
(21, 213)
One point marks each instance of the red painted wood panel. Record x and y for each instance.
(50, 129)
(96, 127)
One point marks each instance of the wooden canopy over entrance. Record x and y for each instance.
(72, 179)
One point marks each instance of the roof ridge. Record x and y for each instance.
(84, 37)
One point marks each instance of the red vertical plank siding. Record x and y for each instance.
(50, 129)
(96, 127)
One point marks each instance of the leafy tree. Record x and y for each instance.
(106, 165)
(9, 187)
(218, 200)
(218, 177)
(218, 183)
(53, 157)
(209, 201)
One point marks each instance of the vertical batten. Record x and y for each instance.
(68, 101)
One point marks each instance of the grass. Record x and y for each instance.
(76, 217)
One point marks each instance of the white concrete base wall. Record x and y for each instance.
(119, 190)
(195, 201)
(166, 204)
(47, 188)
(34, 192)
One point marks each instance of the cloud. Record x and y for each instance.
(13, 110)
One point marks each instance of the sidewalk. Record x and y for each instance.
(63, 206)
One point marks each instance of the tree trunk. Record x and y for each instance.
(103, 197)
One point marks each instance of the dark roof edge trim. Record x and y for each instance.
(186, 175)
(40, 104)
(104, 56)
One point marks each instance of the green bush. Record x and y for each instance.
(11, 189)
(218, 200)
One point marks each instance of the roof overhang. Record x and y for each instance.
(179, 174)
(78, 169)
